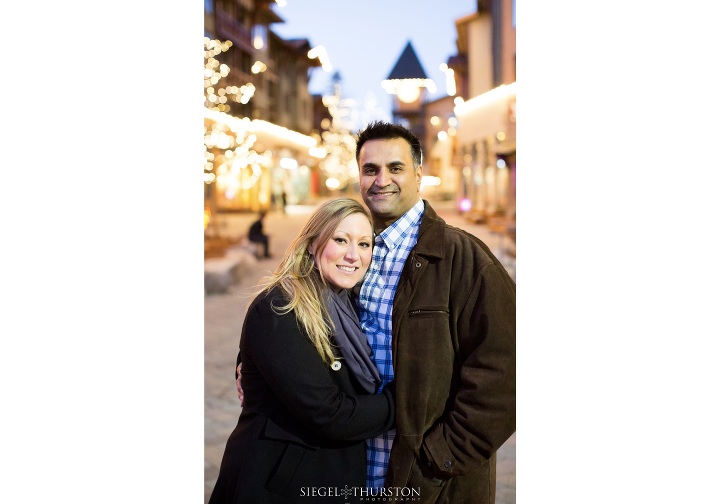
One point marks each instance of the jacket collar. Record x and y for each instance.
(431, 235)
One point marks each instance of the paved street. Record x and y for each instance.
(224, 314)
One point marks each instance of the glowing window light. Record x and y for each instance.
(206, 217)
(408, 93)
(288, 163)
(317, 152)
(450, 82)
(258, 67)
(429, 181)
(449, 79)
(332, 183)
(442, 135)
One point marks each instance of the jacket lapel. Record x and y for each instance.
(430, 245)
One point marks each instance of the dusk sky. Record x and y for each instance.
(364, 39)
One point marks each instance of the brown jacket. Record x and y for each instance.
(454, 358)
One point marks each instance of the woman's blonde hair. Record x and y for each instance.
(300, 281)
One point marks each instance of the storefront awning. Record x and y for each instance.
(266, 132)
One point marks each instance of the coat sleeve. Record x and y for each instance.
(482, 414)
(301, 381)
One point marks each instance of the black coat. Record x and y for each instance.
(303, 425)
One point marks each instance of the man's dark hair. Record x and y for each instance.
(381, 130)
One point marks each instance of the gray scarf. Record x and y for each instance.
(351, 340)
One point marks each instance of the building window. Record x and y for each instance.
(259, 36)
(229, 7)
(246, 63)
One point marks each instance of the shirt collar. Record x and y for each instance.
(395, 233)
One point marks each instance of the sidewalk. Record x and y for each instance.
(224, 315)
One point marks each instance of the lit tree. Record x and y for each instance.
(339, 165)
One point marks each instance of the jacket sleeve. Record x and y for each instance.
(482, 414)
(301, 381)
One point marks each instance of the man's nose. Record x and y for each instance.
(383, 178)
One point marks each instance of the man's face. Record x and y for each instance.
(389, 184)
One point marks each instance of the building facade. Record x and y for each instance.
(260, 143)
(485, 136)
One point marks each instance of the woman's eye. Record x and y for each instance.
(339, 240)
(364, 244)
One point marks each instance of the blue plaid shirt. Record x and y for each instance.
(392, 247)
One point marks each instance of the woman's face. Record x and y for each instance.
(348, 252)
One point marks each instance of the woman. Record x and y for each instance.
(308, 381)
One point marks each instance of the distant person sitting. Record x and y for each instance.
(256, 234)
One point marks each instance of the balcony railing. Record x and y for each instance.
(228, 27)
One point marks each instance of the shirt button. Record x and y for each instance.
(447, 464)
(417, 264)
(336, 365)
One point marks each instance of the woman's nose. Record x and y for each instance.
(352, 252)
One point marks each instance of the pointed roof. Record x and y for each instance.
(408, 66)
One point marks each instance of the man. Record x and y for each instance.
(257, 235)
(439, 311)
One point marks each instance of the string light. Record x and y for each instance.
(408, 90)
(339, 164)
(228, 144)
(230, 159)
